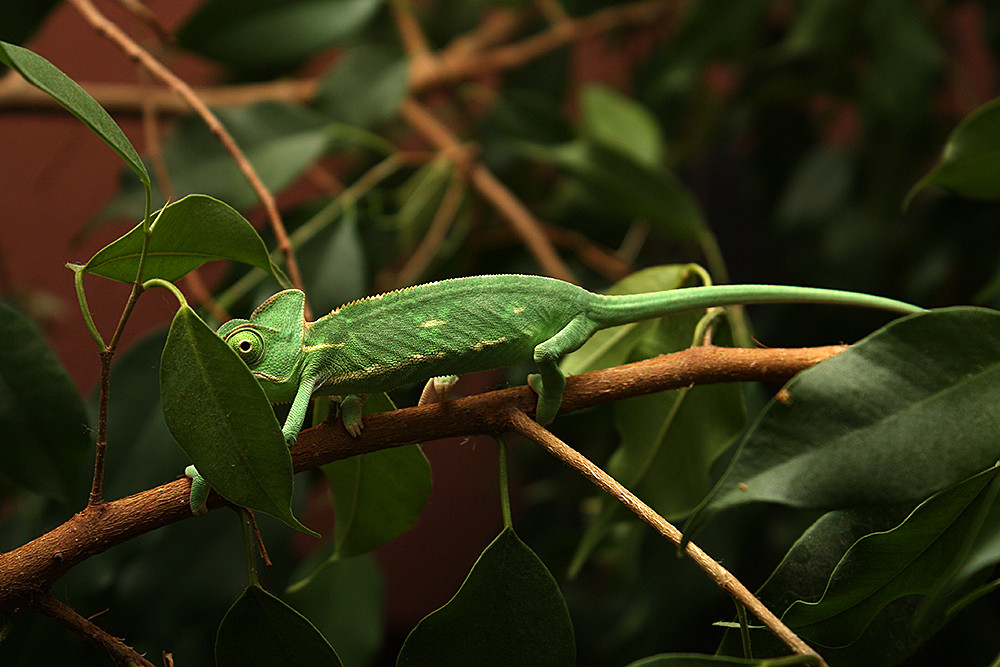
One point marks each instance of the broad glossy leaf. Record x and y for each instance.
(622, 124)
(377, 496)
(908, 411)
(913, 558)
(367, 85)
(46, 76)
(344, 599)
(697, 660)
(218, 414)
(280, 140)
(509, 611)
(623, 186)
(970, 161)
(260, 629)
(187, 233)
(46, 434)
(271, 33)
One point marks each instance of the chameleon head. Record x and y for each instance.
(270, 343)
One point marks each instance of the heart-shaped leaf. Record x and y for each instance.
(259, 629)
(185, 235)
(509, 611)
(218, 414)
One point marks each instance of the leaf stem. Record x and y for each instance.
(504, 483)
(249, 545)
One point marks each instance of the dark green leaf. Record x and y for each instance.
(623, 186)
(42, 417)
(366, 87)
(260, 629)
(271, 33)
(622, 124)
(187, 233)
(218, 414)
(76, 100)
(906, 412)
(671, 438)
(344, 600)
(970, 161)
(377, 496)
(509, 611)
(421, 196)
(913, 558)
(280, 140)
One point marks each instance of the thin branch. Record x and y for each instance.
(532, 430)
(62, 613)
(107, 28)
(524, 224)
(34, 566)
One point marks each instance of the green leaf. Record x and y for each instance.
(280, 140)
(260, 629)
(697, 660)
(187, 233)
(509, 611)
(367, 85)
(377, 496)
(44, 422)
(46, 76)
(623, 186)
(621, 124)
(669, 440)
(913, 558)
(218, 414)
(254, 34)
(970, 161)
(907, 412)
(421, 196)
(344, 600)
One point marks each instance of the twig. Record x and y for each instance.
(34, 566)
(531, 429)
(524, 224)
(107, 28)
(62, 613)
(424, 253)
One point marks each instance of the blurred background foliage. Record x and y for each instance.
(770, 140)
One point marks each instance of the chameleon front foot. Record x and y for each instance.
(199, 491)
(351, 407)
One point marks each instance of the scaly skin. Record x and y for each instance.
(459, 326)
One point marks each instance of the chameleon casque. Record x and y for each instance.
(457, 326)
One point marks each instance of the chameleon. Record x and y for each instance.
(456, 326)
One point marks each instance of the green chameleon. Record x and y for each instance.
(457, 326)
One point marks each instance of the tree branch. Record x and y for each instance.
(724, 579)
(29, 570)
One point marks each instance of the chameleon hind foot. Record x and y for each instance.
(199, 491)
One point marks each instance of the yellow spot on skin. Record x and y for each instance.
(432, 323)
(487, 343)
(518, 310)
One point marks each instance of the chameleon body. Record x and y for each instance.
(459, 326)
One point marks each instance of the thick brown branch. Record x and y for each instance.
(29, 570)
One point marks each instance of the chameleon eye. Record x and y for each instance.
(248, 344)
